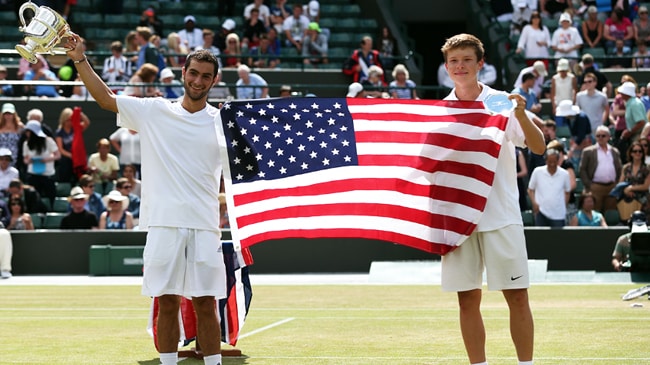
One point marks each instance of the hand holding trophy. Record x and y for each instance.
(46, 30)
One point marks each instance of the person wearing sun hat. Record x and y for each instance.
(116, 215)
(635, 115)
(563, 87)
(7, 172)
(79, 217)
(566, 40)
(580, 127)
(191, 36)
(539, 70)
(314, 47)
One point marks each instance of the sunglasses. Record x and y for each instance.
(602, 136)
(637, 151)
(18, 204)
(588, 81)
(113, 202)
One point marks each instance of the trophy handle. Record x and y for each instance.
(27, 5)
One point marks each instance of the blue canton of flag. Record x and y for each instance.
(276, 138)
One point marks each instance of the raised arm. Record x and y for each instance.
(95, 85)
(534, 136)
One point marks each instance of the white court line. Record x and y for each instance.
(278, 323)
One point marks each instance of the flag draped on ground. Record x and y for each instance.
(231, 310)
(411, 172)
(79, 157)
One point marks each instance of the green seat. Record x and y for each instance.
(52, 220)
(341, 39)
(347, 24)
(368, 25)
(37, 220)
(331, 10)
(351, 9)
(580, 186)
(612, 217)
(563, 132)
(116, 20)
(172, 7)
(63, 189)
(90, 19)
(528, 218)
(60, 205)
(327, 23)
(8, 17)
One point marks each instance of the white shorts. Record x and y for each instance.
(501, 252)
(182, 261)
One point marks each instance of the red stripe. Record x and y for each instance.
(434, 191)
(431, 247)
(231, 311)
(425, 218)
(473, 119)
(448, 141)
(453, 104)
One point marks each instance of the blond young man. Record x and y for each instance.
(498, 243)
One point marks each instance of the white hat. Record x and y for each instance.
(540, 67)
(566, 108)
(166, 72)
(313, 7)
(563, 64)
(228, 24)
(77, 193)
(628, 88)
(522, 4)
(116, 196)
(8, 108)
(566, 17)
(354, 89)
(189, 18)
(35, 127)
(5, 152)
(592, 9)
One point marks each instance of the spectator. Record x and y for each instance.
(617, 117)
(127, 144)
(20, 220)
(549, 190)
(402, 87)
(278, 13)
(150, 20)
(553, 8)
(24, 65)
(250, 85)
(579, 125)
(274, 41)
(618, 26)
(314, 49)
(566, 163)
(602, 82)
(361, 59)
(64, 137)
(79, 217)
(28, 194)
(7, 172)
(191, 37)
(488, 73)
(312, 11)
(140, 84)
(526, 90)
(600, 169)
(5, 90)
(117, 68)
(549, 129)
(592, 28)
(294, 28)
(130, 172)
(355, 90)
(566, 40)
(641, 57)
(635, 115)
(103, 165)
(253, 29)
(539, 70)
(38, 72)
(263, 14)
(94, 201)
(374, 85)
(564, 85)
(124, 187)
(642, 26)
(10, 128)
(620, 57)
(116, 216)
(220, 41)
(208, 43)
(6, 252)
(39, 154)
(587, 216)
(131, 47)
(263, 56)
(593, 102)
(171, 89)
(521, 16)
(147, 53)
(634, 182)
(232, 51)
(534, 40)
(387, 49)
(645, 99)
(177, 50)
(285, 91)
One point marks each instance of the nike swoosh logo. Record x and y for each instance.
(513, 278)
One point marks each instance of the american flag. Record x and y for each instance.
(411, 172)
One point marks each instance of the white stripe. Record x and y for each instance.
(415, 109)
(454, 128)
(370, 223)
(430, 151)
(262, 329)
(359, 172)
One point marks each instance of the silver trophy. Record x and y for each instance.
(46, 30)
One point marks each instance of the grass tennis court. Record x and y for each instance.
(328, 324)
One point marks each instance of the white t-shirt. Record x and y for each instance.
(129, 146)
(181, 164)
(564, 39)
(50, 148)
(549, 191)
(265, 12)
(502, 207)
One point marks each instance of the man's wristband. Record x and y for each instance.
(81, 60)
